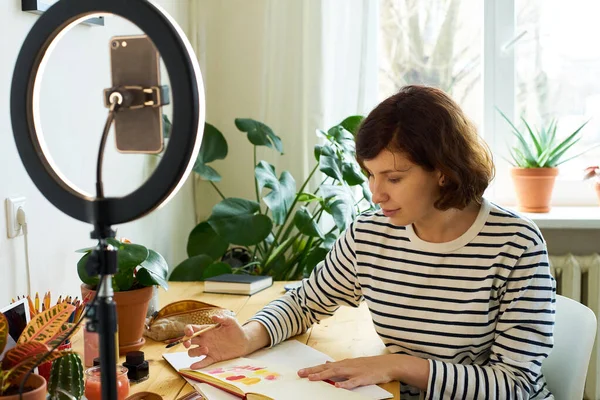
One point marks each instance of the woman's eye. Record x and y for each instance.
(394, 180)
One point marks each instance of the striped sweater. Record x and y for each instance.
(480, 308)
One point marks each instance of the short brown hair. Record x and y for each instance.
(428, 127)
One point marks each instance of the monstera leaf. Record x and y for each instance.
(214, 147)
(198, 268)
(352, 173)
(331, 166)
(283, 190)
(343, 138)
(204, 240)
(342, 213)
(352, 123)
(259, 134)
(325, 150)
(49, 326)
(305, 223)
(236, 220)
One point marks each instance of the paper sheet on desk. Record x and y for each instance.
(291, 353)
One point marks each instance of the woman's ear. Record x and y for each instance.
(441, 179)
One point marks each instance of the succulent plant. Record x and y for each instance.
(66, 376)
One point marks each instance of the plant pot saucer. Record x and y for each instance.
(131, 347)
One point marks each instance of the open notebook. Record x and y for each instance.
(268, 372)
(256, 380)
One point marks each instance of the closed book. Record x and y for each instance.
(237, 284)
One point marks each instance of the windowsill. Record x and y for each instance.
(567, 218)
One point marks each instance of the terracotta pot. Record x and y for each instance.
(534, 188)
(39, 393)
(131, 316)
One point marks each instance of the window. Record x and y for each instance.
(557, 69)
(536, 58)
(436, 43)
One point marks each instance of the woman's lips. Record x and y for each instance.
(389, 213)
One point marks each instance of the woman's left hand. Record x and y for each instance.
(360, 371)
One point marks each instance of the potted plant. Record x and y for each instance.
(594, 173)
(139, 270)
(41, 334)
(535, 161)
(279, 232)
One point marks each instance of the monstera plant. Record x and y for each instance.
(281, 231)
(45, 330)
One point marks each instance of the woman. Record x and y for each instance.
(459, 288)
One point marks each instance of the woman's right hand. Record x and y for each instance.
(228, 341)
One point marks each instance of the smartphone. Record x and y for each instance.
(134, 61)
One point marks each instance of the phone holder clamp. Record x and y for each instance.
(135, 97)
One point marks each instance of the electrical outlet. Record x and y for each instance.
(13, 229)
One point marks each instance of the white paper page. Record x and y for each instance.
(293, 354)
(275, 380)
(296, 355)
(181, 360)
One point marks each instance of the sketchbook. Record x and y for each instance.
(267, 374)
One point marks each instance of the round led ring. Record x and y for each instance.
(188, 110)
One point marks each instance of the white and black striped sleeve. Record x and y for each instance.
(523, 338)
(332, 283)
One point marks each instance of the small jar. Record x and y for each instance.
(93, 383)
(137, 367)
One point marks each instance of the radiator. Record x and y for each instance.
(578, 277)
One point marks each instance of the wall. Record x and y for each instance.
(297, 66)
(72, 118)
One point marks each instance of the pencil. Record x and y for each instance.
(37, 303)
(32, 312)
(183, 339)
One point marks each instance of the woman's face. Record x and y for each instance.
(404, 191)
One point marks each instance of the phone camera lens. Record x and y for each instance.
(115, 44)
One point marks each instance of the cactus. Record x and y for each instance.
(66, 374)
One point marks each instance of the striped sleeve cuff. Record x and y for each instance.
(435, 380)
(269, 323)
(447, 380)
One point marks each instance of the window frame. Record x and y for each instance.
(499, 69)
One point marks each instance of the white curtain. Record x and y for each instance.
(295, 65)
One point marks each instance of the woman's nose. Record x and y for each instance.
(379, 195)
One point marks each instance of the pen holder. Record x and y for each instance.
(44, 368)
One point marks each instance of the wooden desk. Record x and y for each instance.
(349, 333)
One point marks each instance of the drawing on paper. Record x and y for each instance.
(246, 374)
